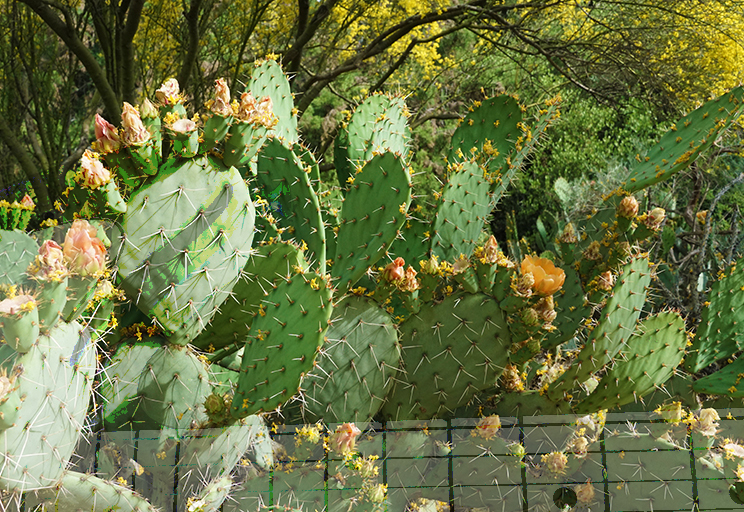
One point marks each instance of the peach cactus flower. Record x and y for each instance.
(107, 136)
(488, 426)
(548, 277)
(343, 439)
(84, 253)
(221, 103)
(92, 171)
(394, 271)
(134, 131)
(169, 92)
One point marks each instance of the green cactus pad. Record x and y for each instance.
(717, 336)
(496, 120)
(85, 492)
(55, 381)
(450, 351)
(648, 361)
(282, 345)
(524, 146)
(174, 385)
(372, 215)
(122, 404)
(183, 242)
(268, 79)
(462, 213)
(414, 242)
(571, 308)
(728, 381)
(292, 200)
(378, 124)
(688, 137)
(618, 321)
(17, 252)
(268, 264)
(356, 365)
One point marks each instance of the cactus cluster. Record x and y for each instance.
(242, 288)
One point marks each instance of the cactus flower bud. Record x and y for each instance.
(343, 439)
(221, 103)
(92, 173)
(49, 264)
(27, 202)
(135, 132)
(107, 136)
(84, 253)
(530, 318)
(606, 281)
(394, 271)
(655, 218)
(148, 110)
(548, 278)
(628, 207)
(169, 92)
(488, 427)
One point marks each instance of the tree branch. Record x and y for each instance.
(28, 166)
(192, 23)
(65, 31)
(134, 14)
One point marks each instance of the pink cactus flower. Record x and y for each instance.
(92, 171)
(84, 253)
(17, 305)
(169, 92)
(184, 126)
(135, 132)
(49, 264)
(344, 438)
(27, 202)
(107, 137)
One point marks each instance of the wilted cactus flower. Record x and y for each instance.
(461, 264)
(377, 493)
(548, 277)
(27, 202)
(344, 438)
(732, 450)
(84, 253)
(584, 493)
(655, 218)
(488, 426)
(394, 271)
(107, 136)
(707, 422)
(169, 92)
(17, 305)
(184, 126)
(606, 281)
(628, 207)
(135, 132)
(568, 236)
(7, 386)
(409, 282)
(555, 462)
(221, 104)
(92, 173)
(49, 264)
(261, 113)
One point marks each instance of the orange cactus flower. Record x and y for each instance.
(548, 277)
